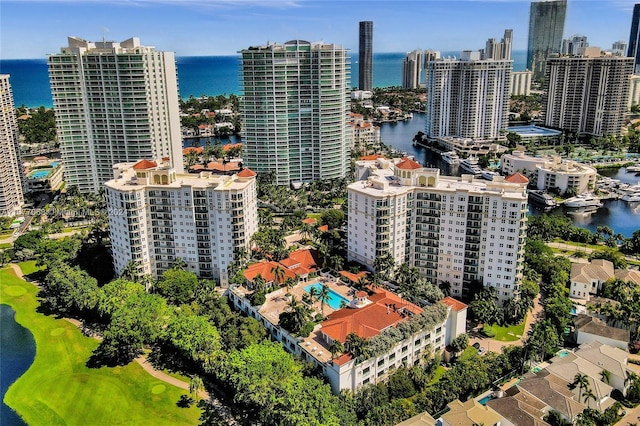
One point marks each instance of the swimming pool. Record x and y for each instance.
(486, 399)
(335, 299)
(39, 174)
(563, 353)
(54, 164)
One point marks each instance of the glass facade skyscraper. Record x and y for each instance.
(365, 59)
(546, 26)
(634, 51)
(295, 110)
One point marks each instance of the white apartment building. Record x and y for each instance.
(469, 97)
(551, 173)
(157, 215)
(114, 102)
(588, 94)
(452, 229)
(295, 110)
(11, 173)
(367, 316)
(634, 90)
(365, 135)
(521, 83)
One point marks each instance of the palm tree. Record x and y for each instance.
(130, 272)
(195, 386)
(588, 394)
(336, 347)
(355, 344)
(581, 380)
(259, 283)
(605, 375)
(313, 294)
(308, 231)
(445, 286)
(362, 283)
(278, 274)
(323, 297)
(337, 262)
(289, 283)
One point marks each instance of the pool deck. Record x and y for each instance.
(277, 302)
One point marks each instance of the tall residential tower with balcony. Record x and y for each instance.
(11, 173)
(588, 93)
(157, 216)
(295, 110)
(455, 230)
(114, 102)
(469, 97)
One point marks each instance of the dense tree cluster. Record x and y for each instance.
(38, 126)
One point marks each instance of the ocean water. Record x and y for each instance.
(200, 75)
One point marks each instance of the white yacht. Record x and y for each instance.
(583, 200)
(542, 198)
(631, 193)
(450, 157)
(489, 175)
(633, 169)
(470, 166)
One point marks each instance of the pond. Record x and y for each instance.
(18, 352)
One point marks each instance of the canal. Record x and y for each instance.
(622, 217)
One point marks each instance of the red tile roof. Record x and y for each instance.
(228, 146)
(144, 165)
(310, 221)
(191, 149)
(370, 320)
(299, 262)
(221, 167)
(516, 178)
(343, 359)
(372, 157)
(455, 305)
(353, 277)
(246, 173)
(197, 167)
(408, 164)
(264, 269)
(323, 228)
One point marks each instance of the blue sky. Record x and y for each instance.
(33, 28)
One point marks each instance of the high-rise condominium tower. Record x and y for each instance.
(11, 173)
(546, 25)
(587, 94)
(452, 229)
(365, 57)
(469, 97)
(634, 38)
(296, 110)
(157, 216)
(411, 69)
(114, 102)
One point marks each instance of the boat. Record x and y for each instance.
(488, 174)
(635, 168)
(450, 157)
(542, 198)
(583, 200)
(470, 166)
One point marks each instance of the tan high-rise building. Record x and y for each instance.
(587, 94)
(412, 69)
(11, 172)
(114, 102)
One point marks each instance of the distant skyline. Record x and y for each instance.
(35, 28)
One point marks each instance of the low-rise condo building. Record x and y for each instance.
(452, 229)
(157, 216)
(396, 332)
(551, 173)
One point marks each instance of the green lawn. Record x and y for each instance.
(29, 267)
(509, 333)
(59, 389)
